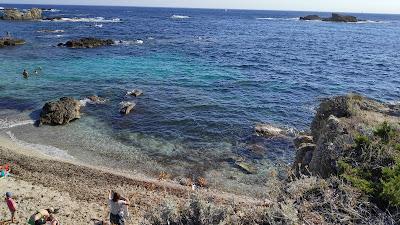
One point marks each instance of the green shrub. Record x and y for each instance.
(374, 165)
(391, 184)
(385, 132)
(362, 142)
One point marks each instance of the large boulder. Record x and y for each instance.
(60, 112)
(338, 121)
(87, 43)
(15, 14)
(4, 42)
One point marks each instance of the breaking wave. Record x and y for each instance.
(5, 123)
(86, 20)
(179, 17)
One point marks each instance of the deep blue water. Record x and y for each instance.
(208, 79)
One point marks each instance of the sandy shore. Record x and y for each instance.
(80, 192)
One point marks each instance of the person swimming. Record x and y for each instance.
(25, 74)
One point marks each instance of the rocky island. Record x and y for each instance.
(86, 43)
(334, 18)
(6, 41)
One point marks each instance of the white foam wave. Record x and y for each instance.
(371, 21)
(129, 42)
(5, 123)
(87, 20)
(86, 101)
(50, 31)
(44, 149)
(51, 10)
(1, 8)
(179, 17)
(98, 25)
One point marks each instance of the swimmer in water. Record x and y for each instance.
(25, 74)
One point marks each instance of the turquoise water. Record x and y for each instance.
(207, 80)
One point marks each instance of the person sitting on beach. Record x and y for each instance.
(12, 206)
(41, 217)
(117, 205)
(53, 220)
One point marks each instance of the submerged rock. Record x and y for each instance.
(60, 112)
(4, 42)
(245, 167)
(270, 131)
(15, 14)
(126, 107)
(135, 92)
(87, 43)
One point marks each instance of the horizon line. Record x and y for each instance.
(178, 7)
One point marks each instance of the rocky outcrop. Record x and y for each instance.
(4, 42)
(126, 107)
(87, 43)
(341, 18)
(135, 92)
(15, 14)
(310, 17)
(269, 130)
(334, 18)
(336, 124)
(60, 112)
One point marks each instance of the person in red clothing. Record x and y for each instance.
(12, 206)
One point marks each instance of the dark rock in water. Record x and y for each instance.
(334, 18)
(126, 107)
(15, 14)
(302, 139)
(87, 43)
(4, 42)
(268, 130)
(310, 17)
(341, 18)
(303, 156)
(60, 112)
(135, 92)
(54, 18)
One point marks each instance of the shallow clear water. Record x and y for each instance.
(208, 77)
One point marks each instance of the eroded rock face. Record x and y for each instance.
(87, 43)
(14, 14)
(60, 112)
(336, 124)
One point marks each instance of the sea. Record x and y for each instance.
(208, 77)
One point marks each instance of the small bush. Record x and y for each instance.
(391, 184)
(385, 132)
